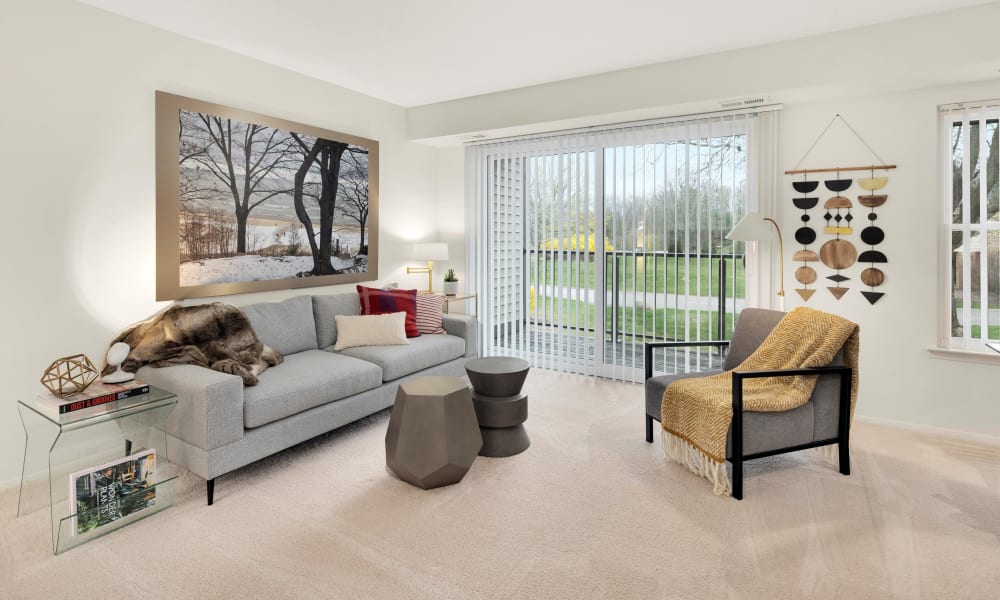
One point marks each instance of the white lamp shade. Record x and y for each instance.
(430, 251)
(752, 227)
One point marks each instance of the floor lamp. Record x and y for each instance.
(430, 252)
(754, 227)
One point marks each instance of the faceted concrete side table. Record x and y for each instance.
(433, 434)
(501, 407)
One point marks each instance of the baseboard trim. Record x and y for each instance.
(954, 434)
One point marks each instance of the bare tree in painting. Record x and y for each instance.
(327, 156)
(355, 190)
(241, 156)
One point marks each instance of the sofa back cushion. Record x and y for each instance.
(325, 310)
(286, 326)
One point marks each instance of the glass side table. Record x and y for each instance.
(56, 446)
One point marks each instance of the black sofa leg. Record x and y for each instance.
(649, 429)
(210, 488)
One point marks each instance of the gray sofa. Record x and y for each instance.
(219, 425)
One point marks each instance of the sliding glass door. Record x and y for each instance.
(600, 242)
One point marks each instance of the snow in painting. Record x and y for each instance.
(258, 203)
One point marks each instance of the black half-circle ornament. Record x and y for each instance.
(872, 235)
(872, 256)
(805, 235)
(805, 187)
(837, 185)
(805, 203)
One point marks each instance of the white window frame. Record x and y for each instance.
(966, 346)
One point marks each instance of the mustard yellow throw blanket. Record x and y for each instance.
(696, 413)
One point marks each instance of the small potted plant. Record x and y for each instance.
(450, 283)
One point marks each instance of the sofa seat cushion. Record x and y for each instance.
(306, 380)
(422, 352)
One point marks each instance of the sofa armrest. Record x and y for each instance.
(209, 411)
(465, 327)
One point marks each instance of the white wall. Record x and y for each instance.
(887, 99)
(900, 381)
(77, 164)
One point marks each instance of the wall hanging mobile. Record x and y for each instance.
(839, 253)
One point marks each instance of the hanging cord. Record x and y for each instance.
(825, 129)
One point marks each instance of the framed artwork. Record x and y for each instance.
(248, 203)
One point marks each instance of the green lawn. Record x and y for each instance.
(636, 324)
(993, 329)
(659, 274)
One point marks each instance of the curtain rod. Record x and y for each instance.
(628, 124)
(968, 105)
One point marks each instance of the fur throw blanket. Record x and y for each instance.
(217, 336)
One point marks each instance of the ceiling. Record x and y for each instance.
(412, 52)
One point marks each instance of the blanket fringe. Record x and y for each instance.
(830, 453)
(696, 461)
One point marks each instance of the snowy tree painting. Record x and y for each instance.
(265, 203)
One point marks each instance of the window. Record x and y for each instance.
(590, 243)
(971, 161)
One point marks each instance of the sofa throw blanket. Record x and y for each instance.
(696, 413)
(217, 336)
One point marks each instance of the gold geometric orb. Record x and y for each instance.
(69, 375)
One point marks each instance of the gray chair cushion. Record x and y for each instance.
(752, 327)
(655, 386)
(326, 308)
(764, 431)
(305, 380)
(422, 352)
(286, 326)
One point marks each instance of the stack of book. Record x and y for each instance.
(96, 394)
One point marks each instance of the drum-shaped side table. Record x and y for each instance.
(501, 407)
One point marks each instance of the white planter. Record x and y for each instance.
(450, 288)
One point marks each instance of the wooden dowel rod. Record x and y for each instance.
(835, 169)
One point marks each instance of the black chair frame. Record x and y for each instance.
(737, 457)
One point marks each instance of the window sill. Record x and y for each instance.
(983, 358)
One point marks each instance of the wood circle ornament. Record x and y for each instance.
(872, 277)
(805, 275)
(838, 254)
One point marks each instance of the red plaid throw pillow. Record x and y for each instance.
(379, 302)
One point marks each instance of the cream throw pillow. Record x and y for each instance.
(371, 330)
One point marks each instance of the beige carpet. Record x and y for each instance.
(589, 511)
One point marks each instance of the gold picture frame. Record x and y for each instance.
(241, 197)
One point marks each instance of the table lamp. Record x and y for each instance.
(429, 251)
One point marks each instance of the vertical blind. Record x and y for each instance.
(971, 165)
(589, 243)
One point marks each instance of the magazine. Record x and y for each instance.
(112, 491)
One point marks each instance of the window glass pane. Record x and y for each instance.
(991, 163)
(956, 174)
(992, 295)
